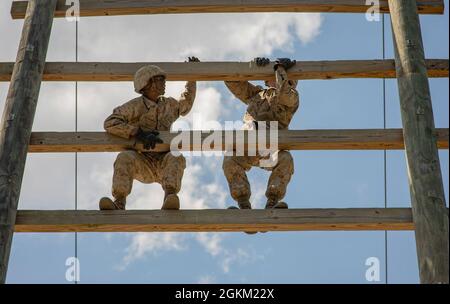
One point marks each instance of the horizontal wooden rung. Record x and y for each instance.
(214, 220)
(221, 71)
(139, 7)
(357, 139)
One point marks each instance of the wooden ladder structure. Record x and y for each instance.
(419, 138)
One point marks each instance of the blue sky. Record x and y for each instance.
(323, 179)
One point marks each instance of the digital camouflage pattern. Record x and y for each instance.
(148, 167)
(272, 104)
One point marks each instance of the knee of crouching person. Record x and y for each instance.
(180, 160)
(125, 158)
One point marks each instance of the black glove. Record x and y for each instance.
(149, 138)
(193, 59)
(286, 63)
(261, 61)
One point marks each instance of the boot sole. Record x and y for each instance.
(247, 232)
(172, 202)
(279, 205)
(107, 204)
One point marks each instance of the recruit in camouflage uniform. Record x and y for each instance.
(278, 103)
(142, 118)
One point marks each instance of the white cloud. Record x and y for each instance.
(207, 111)
(151, 243)
(264, 33)
(213, 245)
(308, 28)
(239, 256)
(214, 196)
(209, 36)
(206, 279)
(212, 37)
(211, 242)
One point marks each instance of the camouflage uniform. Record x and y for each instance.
(272, 104)
(148, 167)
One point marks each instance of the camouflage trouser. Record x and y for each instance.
(234, 168)
(162, 168)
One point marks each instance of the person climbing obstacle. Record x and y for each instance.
(278, 102)
(141, 118)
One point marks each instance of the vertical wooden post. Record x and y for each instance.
(425, 177)
(18, 116)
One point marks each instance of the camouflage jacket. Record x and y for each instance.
(144, 113)
(272, 104)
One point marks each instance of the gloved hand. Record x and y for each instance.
(286, 63)
(261, 61)
(149, 138)
(193, 59)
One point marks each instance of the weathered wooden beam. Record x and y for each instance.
(215, 220)
(139, 7)
(370, 139)
(18, 115)
(425, 177)
(221, 71)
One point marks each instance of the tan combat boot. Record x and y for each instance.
(106, 203)
(275, 204)
(244, 204)
(171, 202)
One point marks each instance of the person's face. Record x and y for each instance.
(155, 87)
(159, 83)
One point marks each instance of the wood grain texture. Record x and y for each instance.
(215, 220)
(424, 170)
(370, 139)
(222, 71)
(18, 116)
(139, 7)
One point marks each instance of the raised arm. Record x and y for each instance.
(186, 100)
(286, 89)
(243, 90)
